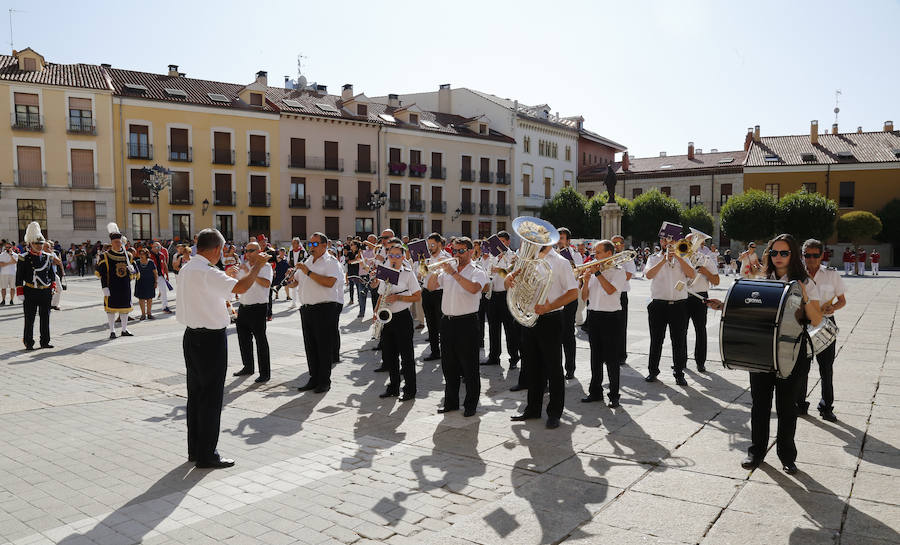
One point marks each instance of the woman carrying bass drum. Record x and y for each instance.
(782, 262)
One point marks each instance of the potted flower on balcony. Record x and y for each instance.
(418, 169)
(397, 168)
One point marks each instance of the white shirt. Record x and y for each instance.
(563, 279)
(701, 284)
(601, 301)
(628, 267)
(203, 290)
(662, 286)
(829, 285)
(257, 294)
(8, 263)
(428, 261)
(457, 300)
(505, 262)
(313, 293)
(812, 292)
(406, 285)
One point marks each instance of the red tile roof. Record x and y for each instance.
(671, 166)
(86, 76)
(866, 147)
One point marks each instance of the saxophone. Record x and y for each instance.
(533, 275)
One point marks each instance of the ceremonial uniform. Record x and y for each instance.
(319, 311)
(667, 308)
(604, 317)
(861, 262)
(875, 258)
(397, 335)
(34, 277)
(499, 316)
(116, 271)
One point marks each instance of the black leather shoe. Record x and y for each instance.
(828, 415)
(389, 393)
(552, 423)
(681, 381)
(29, 348)
(431, 357)
(803, 408)
(651, 377)
(790, 468)
(591, 399)
(407, 397)
(306, 387)
(221, 463)
(613, 404)
(522, 417)
(381, 369)
(489, 362)
(127, 333)
(322, 389)
(242, 372)
(112, 334)
(750, 462)
(513, 364)
(261, 379)
(443, 410)
(621, 364)
(570, 375)
(469, 412)
(517, 388)
(701, 368)
(48, 345)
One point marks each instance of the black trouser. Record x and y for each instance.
(825, 359)
(696, 310)
(338, 308)
(319, 325)
(542, 361)
(269, 304)
(762, 386)
(671, 314)
(483, 306)
(567, 328)
(251, 324)
(37, 302)
(623, 328)
(431, 306)
(459, 356)
(603, 334)
(205, 359)
(373, 293)
(397, 352)
(499, 315)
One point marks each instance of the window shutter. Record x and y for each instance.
(79, 103)
(26, 99)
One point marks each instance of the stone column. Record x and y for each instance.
(611, 216)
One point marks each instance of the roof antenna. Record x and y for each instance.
(11, 11)
(301, 79)
(837, 110)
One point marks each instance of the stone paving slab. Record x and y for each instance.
(94, 446)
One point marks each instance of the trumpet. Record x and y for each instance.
(605, 263)
(438, 266)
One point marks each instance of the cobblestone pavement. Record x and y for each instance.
(93, 448)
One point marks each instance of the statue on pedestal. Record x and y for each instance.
(610, 182)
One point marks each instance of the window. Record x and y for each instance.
(589, 194)
(298, 227)
(484, 229)
(326, 107)
(437, 226)
(332, 199)
(430, 124)
(135, 88)
(567, 183)
(501, 226)
(140, 225)
(297, 194)
(396, 225)
(255, 99)
(80, 115)
(666, 190)
(30, 170)
(217, 97)
(30, 64)
(139, 142)
(84, 216)
(484, 174)
(364, 226)
(541, 148)
(258, 225)
(30, 210)
(774, 190)
(636, 192)
(394, 155)
(138, 192)
(180, 192)
(223, 195)
(845, 198)
(810, 187)
(175, 93)
(257, 155)
(225, 225)
(363, 158)
(416, 228)
(223, 154)
(27, 111)
(82, 168)
(387, 117)
(331, 156)
(568, 153)
(362, 109)
(414, 119)
(332, 227)
(297, 158)
(526, 144)
(466, 174)
(363, 190)
(526, 184)
(467, 228)
(502, 175)
(724, 194)
(179, 148)
(695, 196)
(548, 185)
(437, 166)
(181, 226)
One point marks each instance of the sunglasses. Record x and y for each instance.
(812, 256)
(395, 256)
(313, 244)
(460, 251)
(782, 253)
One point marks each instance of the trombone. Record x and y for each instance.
(606, 263)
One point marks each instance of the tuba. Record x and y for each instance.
(533, 274)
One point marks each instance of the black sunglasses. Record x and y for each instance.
(812, 256)
(782, 253)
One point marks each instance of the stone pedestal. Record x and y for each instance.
(611, 216)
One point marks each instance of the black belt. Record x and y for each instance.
(461, 316)
(243, 305)
(319, 305)
(666, 301)
(203, 330)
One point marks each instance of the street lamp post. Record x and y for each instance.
(158, 178)
(376, 201)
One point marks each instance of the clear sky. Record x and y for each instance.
(652, 75)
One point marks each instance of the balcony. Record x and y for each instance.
(222, 156)
(417, 170)
(140, 151)
(438, 173)
(439, 207)
(503, 178)
(260, 199)
(224, 198)
(181, 197)
(365, 167)
(363, 204)
(80, 125)
(486, 177)
(316, 163)
(466, 175)
(84, 223)
(503, 210)
(83, 180)
(27, 122)
(486, 208)
(396, 169)
(181, 153)
(416, 205)
(258, 158)
(691, 204)
(332, 202)
(467, 208)
(397, 206)
(139, 195)
(298, 202)
(30, 178)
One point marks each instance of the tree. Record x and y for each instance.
(568, 208)
(649, 210)
(890, 222)
(806, 215)
(699, 218)
(595, 220)
(858, 226)
(749, 217)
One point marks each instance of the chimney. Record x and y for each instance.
(859, 130)
(814, 132)
(690, 151)
(834, 128)
(662, 154)
(756, 133)
(445, 101)
(699, 151)
(394, 100)
(173, 70)
(106, 65)
(262, 78)
(322, 89)
(287, 82)
(626, 164)
(888, 126)
(748, 139)
(347, 91)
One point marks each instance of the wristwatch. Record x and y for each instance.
(308, 272)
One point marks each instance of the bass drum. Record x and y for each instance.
(762, 327)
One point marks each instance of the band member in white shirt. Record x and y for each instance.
(541, 346)
(397, 335)
(459, 326)
(568, 318)
(321, 291)
(251, 320)
(832, 297)
(294, 256)
(668, 307)
(498, 312)
(8, 259)
(432, 298)
(707, 275)
(203, 290)
(630, 269)
(602, 291)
